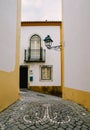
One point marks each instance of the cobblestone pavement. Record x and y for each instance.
(35, 111)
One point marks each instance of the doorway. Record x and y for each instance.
(23, 76)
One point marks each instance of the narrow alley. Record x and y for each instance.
(36, 111)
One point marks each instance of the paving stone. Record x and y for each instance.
(69, 129)
(55, 126)
(85, 129)
(76, 128)
(63, 126)
(71, 126)
(27, 129)
(7, 129)
(32, 127)
(35, 111)
(84, 126)
(60, 129)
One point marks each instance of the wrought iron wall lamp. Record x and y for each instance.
(48, 43)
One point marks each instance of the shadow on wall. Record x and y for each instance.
(51, 90)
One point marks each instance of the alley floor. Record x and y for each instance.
(36, 111)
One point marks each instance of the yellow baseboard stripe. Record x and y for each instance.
(52, 90)
(78, 96)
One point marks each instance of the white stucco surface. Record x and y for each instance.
(52, 56)
(76, 16)
(8, 18)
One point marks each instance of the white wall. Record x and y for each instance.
(8, 18)
(76, 16)
(52, 56)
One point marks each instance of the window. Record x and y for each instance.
(46, 72)
(35, 46)
(35, 53)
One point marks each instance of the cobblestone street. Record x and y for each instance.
(36, 111)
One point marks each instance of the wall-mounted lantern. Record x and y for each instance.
(48, 43)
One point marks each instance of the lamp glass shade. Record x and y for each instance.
(48, 41)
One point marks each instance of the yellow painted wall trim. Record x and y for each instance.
(62, 50)
(62, 56)
(9, 91)
(53, 90)
(41, 23)
(78, 96)
(18, 32)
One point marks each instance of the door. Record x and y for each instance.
(23, 77)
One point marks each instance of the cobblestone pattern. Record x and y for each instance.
(35, 111)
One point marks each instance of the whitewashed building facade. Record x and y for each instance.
(43, 64)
